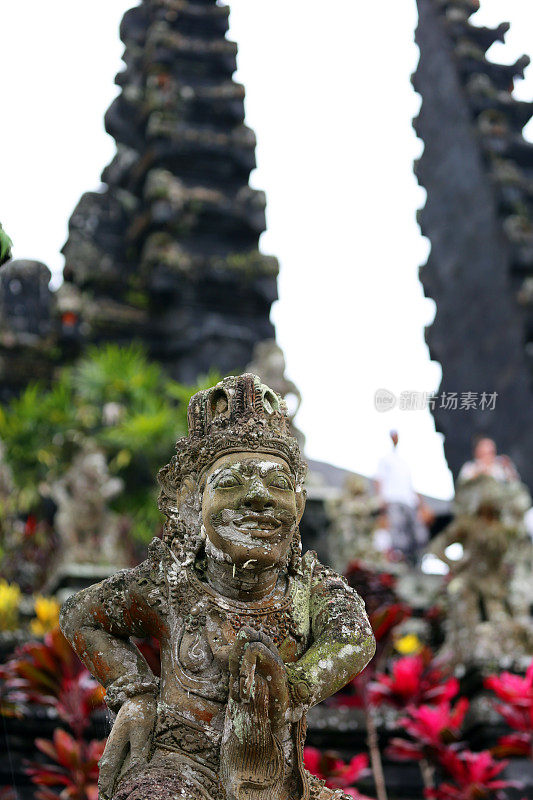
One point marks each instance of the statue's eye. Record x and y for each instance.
(227, 482)
(280, 482)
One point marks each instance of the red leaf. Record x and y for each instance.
(515, 744)
(46, 794)
(46, 747)
(68, 750)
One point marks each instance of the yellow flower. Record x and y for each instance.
(408, 645)
(10, 595)
(47, 611)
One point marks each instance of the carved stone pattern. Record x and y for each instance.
(277, 624)
(176, 735)
(165, 783)
(319, 791)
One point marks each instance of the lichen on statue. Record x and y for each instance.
(252, 633)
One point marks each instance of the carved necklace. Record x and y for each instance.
(271, 614)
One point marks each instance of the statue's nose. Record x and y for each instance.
(258, 497)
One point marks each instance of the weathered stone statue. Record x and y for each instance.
(88, 530)
(252, 633)
(354, 519)
(483, 623)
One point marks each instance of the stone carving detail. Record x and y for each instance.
(269, 362)
(252, 632)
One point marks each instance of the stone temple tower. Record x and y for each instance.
(477, 169)
(168, 253)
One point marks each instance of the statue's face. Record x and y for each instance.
(250, 508)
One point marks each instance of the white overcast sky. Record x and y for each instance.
(329, 97)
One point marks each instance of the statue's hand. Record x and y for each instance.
(255, 655)
(130, 738)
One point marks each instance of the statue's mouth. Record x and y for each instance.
(260, 525)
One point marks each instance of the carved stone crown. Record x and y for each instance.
(238, 414)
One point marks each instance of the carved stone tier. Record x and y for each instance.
(26, 325)
(477, 169)
(168, 252)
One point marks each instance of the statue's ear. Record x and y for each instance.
(188, 491)
(168, 501)
(301, 497)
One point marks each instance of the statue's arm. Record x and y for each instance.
(438, 546)
(343, 642)
(99, 621)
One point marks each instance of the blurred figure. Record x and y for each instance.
(487, 462)
(395, 489)
(489, 585)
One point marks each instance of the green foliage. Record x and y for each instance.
(117, 374)
(5, 246)
(114, 398)
(39, 431)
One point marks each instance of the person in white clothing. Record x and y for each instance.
(395, 488)
(486, 461)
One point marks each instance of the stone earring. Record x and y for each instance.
(295, 552)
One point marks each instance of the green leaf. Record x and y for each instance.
(5, 246)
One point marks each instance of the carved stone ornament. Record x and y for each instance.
(252, 633)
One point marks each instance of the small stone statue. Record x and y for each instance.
(483, 624)
(252, 633)
(88, 530)
(354, 519)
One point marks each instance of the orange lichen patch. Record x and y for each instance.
(101, 669)
(99, 615)
(288, 650)
(152, 622)
(78, 642)
(203, 714)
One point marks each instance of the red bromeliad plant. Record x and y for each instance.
(516, 694)
(151, 651)
(335, 772)
(474, 776)
(49, 673)
(385, 612)
(434, 733)
(431, 730)
(75, 768)
(419, 684)
(413, 680)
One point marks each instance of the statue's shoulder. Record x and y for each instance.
(320, 573)
(328, 584)
(149, 576)
(141, 580)
(310, 567)
(309, 561)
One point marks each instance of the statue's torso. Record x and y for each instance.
(202, 627)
